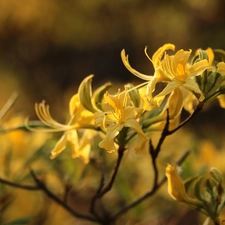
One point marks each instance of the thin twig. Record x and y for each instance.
(153, 156)
(43, 187)
(163, 135)
(112, 179)
(93, 201)
(149, 193)
(27, 187)
(101, 191)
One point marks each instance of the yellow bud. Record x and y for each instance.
(176, 187)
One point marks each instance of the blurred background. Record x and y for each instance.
(48, 47)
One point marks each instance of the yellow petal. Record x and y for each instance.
(126, 63)
(210, 54)
(175, 102)
(74, 104)
(108, 142)
(80, 148)
(221, 99)
(221, 68)
(60, 146)
(142, 139)
(176, 187)
(159, 53)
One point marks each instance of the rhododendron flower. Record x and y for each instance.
(121, 113)
(79, 118)
(175, 70)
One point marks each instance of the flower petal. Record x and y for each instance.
(108, 142)
(142, 138)
(126, 63)
(159, 53)
(60, 146)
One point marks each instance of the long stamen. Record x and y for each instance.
(145, 50)
(137, 87)
(45, 117)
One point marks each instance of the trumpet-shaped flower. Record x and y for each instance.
(181, 73)
(176, 187)
(174, 70)
(156, 61)
(120, 113)
(79, 118)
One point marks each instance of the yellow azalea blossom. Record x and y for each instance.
(79, 118)
(176, 187)
(156, 60)
(120, 113)
(181, 73)
(80, 146)
(174, 70)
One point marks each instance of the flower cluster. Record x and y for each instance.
(135, 113)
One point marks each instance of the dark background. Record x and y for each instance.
(48, 47)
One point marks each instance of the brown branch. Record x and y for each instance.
(113, 177)
(148, 194)
(93, 201)
(43, 187)
(27, 187)
(163, 136)
(101, 191)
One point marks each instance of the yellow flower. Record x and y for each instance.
(176, 187)
(120, 113)
(174, 70)
(79, 118)
(80, 146)
(156, 60)
(181, 73)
